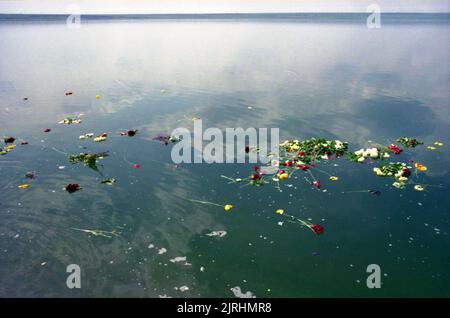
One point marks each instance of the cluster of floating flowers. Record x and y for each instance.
(296, 155)
(399, 170)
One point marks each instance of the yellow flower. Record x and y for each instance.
(439, 143)
(228, 207)
(24, 186)
(98, 97)
(280, 211)
(334, 178)
(284, 176)
(420, 167)
(418, 187)
(10, 147)
(431, 148)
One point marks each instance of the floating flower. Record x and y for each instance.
(23, 142)
(420, 167)
(98, 97)
(283, 176)
(46, 130)
(69, 93)
(279, 211)
(398, 185)
(256, 176)
(109, 181)
(334, 178)
(288, 163)
(431, 148)
(409, 142)
(395, 149)
(228, 207)
(303, 166)
(439, 143)
(31, 175)
(9, 140)
(24, 186)
(317, 184)
(131, 132)
(318, 229)
(72, 187)
(70, 121)
(101, 138)
(136, 165)
(256, 168)
(418, 187)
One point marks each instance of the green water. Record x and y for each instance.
(317, 79)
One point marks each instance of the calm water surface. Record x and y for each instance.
(317, 79)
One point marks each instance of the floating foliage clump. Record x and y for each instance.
(89, 159)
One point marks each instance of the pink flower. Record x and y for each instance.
(136, 165)
(317, 184)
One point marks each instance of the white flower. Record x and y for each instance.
(373, 153)
(397, 184)
(386, 155)
(378, 171)
(402, 179)
(361, 159)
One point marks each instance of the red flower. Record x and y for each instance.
(47, 130)
(317, 184)
(256, 176)
(23, 142)
(406, 172)
(318, 229)
(303, 167)
(72, 187)
(131, 132)
(9, 140)
(256, 168)
(136, 165)
(301, 153)
(104, 135)
(395, 149)
(288, 163)
(69, 93)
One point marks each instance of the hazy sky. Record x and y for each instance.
(213, 6)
